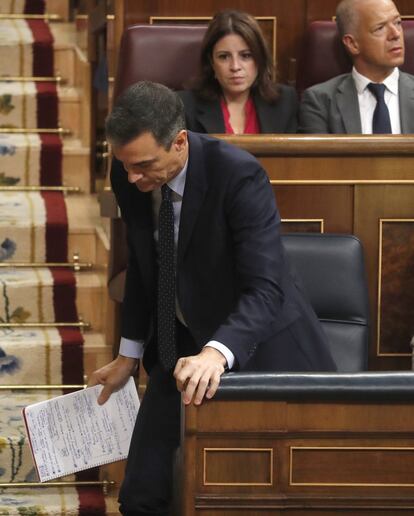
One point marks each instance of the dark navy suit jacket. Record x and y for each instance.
(233, 283)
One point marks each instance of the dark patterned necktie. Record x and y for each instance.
(167, 352)
(381, 123)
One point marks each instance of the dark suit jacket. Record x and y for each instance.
(332, 106)
(233, 284)
(204, 116)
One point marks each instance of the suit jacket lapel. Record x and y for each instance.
(194, 192)
(210, 116)
(347, 99)
(406, 100)
(268, 115)
(142, 232)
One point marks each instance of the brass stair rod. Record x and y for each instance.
(104, 483)
(67, 189)
(77, 266)
(40, 387)
(22, 16)
(82, 325)
(38, 265)
(9, 78)
(34, 130)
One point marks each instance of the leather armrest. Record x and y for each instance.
(317, 386)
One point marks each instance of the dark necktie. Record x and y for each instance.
(381, 123)
(166, 282)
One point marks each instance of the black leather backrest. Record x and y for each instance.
(331, 269)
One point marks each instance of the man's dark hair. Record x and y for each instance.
(146, 107)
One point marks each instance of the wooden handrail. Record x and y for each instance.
(323, 144)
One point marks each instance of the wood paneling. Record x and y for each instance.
(373, 203)
(396, 286)
(328, 458)
(351, 183)
(290, 19)
(325, 9)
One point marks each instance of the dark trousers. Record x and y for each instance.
(148, 483)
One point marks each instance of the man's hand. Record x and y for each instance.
(199, 375)
(113, 376)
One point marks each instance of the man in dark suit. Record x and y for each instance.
(234, 303)
(372, 34)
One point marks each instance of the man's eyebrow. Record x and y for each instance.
(144, 162)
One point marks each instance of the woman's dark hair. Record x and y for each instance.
(236, 22)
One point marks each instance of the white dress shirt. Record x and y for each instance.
(367, 101)
(135, 348)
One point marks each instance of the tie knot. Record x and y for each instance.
(377, 89)
(165, 192)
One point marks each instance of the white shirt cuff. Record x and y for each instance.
(224, 350)
(131, 348)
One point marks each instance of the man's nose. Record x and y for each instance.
(395, 31)
(133, 175)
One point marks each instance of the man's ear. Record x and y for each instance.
(351, 44)
(180, 140)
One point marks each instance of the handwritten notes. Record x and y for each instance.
(72, 432)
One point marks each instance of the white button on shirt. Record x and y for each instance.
(367, 101)
(135, 348)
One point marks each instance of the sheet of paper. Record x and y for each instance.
(72, 432)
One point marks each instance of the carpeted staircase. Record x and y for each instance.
(52, 252)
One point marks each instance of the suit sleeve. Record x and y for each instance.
(259, 267)
(135, 313)
(313, 114)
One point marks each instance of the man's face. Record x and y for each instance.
(377, 45)
(148, 164)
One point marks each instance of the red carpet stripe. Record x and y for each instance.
(50, 160)
(47, 105)
(56, 227)
(42, 48)
(64, 295)
(91, 501)
(34, 7)
(72, 356)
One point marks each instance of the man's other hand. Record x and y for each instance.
(113, 376)
(199, 375)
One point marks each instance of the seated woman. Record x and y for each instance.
(235, 92)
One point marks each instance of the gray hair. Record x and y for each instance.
(146, 107)
(347, 17)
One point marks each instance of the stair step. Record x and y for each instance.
(70, 110)
(32, 295)
(18, 346)
(21, 157)
(97, 352)
(48, 501)
(64, 35)
(84, 219)
(22, 217)
(22, 103)
(75, 164)
(59, 7)
(90, 299)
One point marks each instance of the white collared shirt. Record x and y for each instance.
(135, 348)
(367, 101)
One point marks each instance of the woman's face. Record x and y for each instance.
(233, 65)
